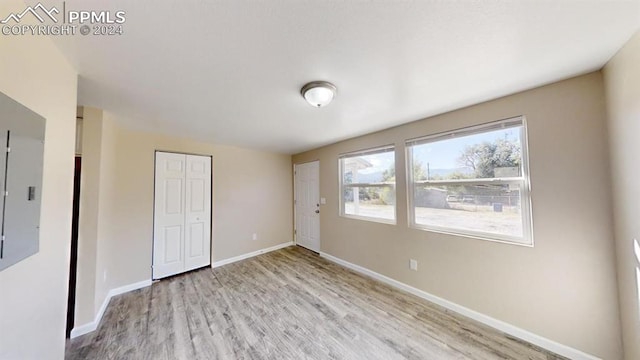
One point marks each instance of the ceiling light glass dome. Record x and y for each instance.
(318, 93)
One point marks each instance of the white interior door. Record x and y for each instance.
(307, 205)
(169, 215)
(198, 212)
(182, 213)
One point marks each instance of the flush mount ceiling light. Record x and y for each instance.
(318, 93)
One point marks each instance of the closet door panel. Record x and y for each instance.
(198, 212)
(169, 215)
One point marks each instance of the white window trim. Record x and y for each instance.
(342, 186)
(524, 181)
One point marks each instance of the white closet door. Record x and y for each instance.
(169, 215)
(182, 220)
(198, 212)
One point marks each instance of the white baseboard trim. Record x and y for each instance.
(83, 329)
(89, 327)
(216, 264)
(485, 319)
(92, 326)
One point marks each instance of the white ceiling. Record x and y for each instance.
(230, 71)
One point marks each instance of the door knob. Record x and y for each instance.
(317, 211)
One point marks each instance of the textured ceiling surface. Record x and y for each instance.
(230, 72)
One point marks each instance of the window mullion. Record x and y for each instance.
(359, 185)
(470, 182)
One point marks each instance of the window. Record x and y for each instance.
(472, 182)
(367, 185)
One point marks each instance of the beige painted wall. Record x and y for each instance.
(34, 292)
(622, 87)
(88, 217)
(564, 288)
(106, 258)
(99, 143)
(252, 194)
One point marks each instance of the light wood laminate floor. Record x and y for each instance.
(287, 304)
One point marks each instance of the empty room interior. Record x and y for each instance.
(319, 179)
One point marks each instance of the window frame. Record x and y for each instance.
(342, 186)
(522, 181)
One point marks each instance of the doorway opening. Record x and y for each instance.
(75, 215)
(71, 300)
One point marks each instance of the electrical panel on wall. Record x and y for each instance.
(21, 161)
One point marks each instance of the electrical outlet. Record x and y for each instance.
(255, 236)
(413, 265)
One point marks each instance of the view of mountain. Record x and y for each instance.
(443, 173)
(376, 177)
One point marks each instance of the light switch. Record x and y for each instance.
(323, 201)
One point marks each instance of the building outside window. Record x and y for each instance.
(472, 182)
(367, 185)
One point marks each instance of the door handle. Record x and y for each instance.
(317, 211)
